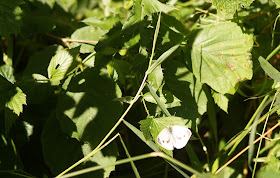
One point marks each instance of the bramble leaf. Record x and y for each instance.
(228, 7)
(63, 62)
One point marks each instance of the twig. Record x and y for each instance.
(67, 40)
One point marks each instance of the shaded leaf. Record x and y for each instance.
(87, 104)
(119, 70)
(221, 56)
(10, 19)
(145, 128)
(188, 98)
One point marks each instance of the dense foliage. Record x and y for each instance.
(92, 84)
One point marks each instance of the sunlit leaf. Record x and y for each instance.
(17, 101)
(88, 33)
(62, 63)
(221, 100)
(143, 8)
(229, 7)
(221, 56)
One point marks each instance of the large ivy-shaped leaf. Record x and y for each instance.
(221, 56)
(10, 17)
(228, 7)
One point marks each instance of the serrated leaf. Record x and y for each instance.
(63, 62)
(158, 124)
(104, 24)
(101, 157)
(7, 71)
(156, 77)
(229, 7)
(88, 33)
(144, 8)
(17, 101)
(221, 56)
(269, 69)
(10, 17)
(145, 128)
(40, 78)
(221, 100)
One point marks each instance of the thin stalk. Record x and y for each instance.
(255, 165)
(145, 156)
(123, 115)
(131, 162)
(273, 52)
(245, 149)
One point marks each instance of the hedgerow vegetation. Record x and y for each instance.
(94, 88)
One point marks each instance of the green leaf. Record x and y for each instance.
(228, 7)
(158, 124)
(140, 134)
(57, 147)
(10, 158)
(145, 128)
(88, 33)
(50, 3)
(162, 58)
(277, 2)
(221, 56)
(102, 158)
(88, 107)
(17, 101)
(144, 8)
(7, 71)
(188, 98)
(119, 70)
(62, 63)
(156, 77)
(221, 100)
(40, 78)
(271, 168)
(10, 19)
(104, 24)
(269, 69)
